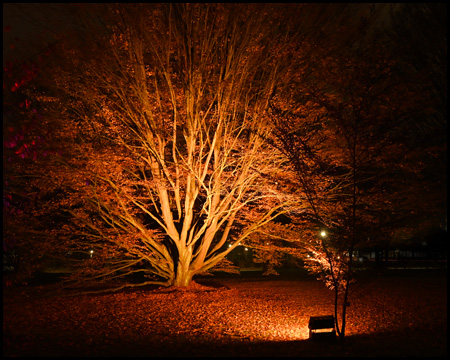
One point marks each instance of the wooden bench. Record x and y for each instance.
(321, 326)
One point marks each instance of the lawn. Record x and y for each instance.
(391, 315)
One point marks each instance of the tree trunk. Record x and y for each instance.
(183, 276)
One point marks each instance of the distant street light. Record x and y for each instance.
(323, 233)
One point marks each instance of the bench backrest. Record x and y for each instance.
(321, 322)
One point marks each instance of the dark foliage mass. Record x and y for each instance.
(389, 316)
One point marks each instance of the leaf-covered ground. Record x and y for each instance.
(388, 316)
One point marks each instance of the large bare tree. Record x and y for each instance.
(166, 168)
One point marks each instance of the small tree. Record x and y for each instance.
(342, 133)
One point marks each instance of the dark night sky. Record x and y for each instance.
(33, 24)
(29, 28)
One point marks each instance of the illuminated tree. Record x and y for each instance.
(343, 131)
(165, 169)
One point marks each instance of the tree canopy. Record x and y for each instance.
(164, 169)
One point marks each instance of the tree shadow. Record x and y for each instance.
(391, 343)
(396, 343)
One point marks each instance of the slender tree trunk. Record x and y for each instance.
(336, 298)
